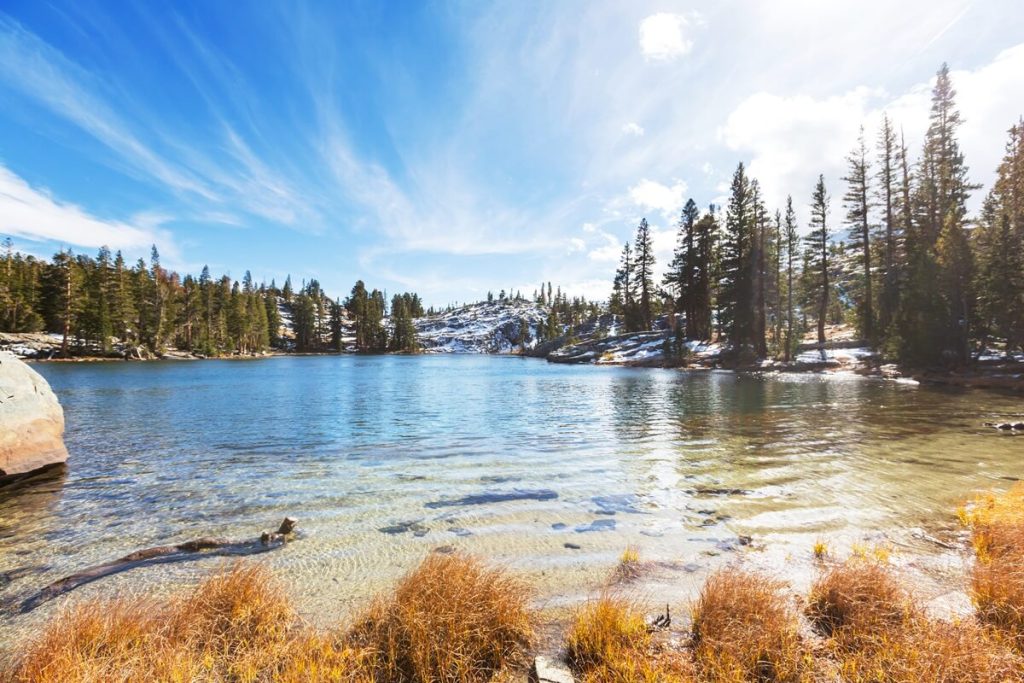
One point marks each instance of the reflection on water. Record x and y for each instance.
(551, 469)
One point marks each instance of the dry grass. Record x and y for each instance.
(452, 619)
(629, 566)
(608, 642)
(933, 651)
(990, 516)
(744, 630)
(876, 635)
(232, 627)
(997, 581)
(997, 589)
(858, 600)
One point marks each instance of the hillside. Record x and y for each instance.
(485, 327)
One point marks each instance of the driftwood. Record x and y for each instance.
(182, 552)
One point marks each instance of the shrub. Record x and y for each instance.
(857, 601)
(997, 580)
(609, 642)
(452, 619)
(744, 630)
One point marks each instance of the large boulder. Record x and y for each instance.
(31, 420)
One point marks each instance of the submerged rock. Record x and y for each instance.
(596, 525)
(31, 420)
(494, 497)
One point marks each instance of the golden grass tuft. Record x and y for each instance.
(629, 566)
(233, 626)
(997, 590)
(933, 651)
(993, 518)
(609, 642)
(452, 619)
(997, 580)
(875, 633)
(820, 549)
(858, 600)
(744, 630)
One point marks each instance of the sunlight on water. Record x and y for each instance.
(385, 459)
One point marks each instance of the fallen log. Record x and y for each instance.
(163, 554)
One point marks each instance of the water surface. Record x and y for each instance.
(550, 469)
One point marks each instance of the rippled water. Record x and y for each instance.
(384, 459)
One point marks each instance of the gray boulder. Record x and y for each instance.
(31, 420)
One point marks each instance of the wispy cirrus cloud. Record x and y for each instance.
(34, 214)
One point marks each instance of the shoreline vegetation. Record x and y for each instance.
(838, 354)
(927, 289)
(454, 618)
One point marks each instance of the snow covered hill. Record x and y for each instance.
(485, 327)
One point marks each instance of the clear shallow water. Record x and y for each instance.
(384, 459)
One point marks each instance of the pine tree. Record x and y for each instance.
(818, 252)
(858, 207)
(706, 268)
(887, 195)
(65, 292)
(681, 276)
(792, 244)
(624, 280)
(999, 245)
(758, 263)
(930, 313)
(736, 291)
(337, 328)
(644, 249)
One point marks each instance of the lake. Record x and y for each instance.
(384, 459)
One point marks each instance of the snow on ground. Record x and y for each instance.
(638, 348)
(485, 327)
(842, 356)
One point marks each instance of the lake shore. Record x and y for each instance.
(604, 462)
(935, 584)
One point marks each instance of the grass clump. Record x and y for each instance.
(452, 619)
(820, 550)
(744, 630)
(997, 580)
(629, 566)
(875, 634)
(608, 641)
(232, 627)
(857, 601)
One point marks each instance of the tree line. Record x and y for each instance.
(913, 272)
(98, 304)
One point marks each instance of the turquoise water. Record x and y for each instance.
(384, 459)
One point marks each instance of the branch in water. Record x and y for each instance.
(182, 552)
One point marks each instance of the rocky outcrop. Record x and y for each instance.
(31, 420)
(506, 326)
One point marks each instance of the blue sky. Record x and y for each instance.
(453, 148)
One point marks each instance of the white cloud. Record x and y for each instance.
(652, 195)
(633, 128)
(576, 244)
(790, 139)
(35, 215)
(609, 251)
(662, 37)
